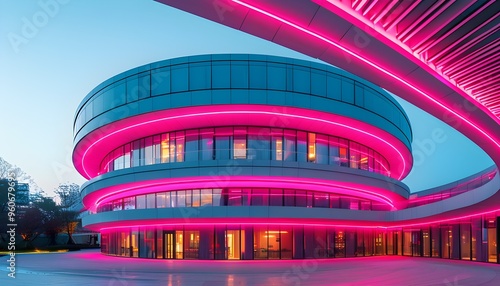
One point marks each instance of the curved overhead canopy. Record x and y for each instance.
(442, 56)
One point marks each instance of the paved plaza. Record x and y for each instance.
(89, 267)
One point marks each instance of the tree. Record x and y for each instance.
(69, 194)
(51, 218)
(69, 220)
(7, 170)
(30, 226)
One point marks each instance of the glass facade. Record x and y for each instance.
(245, 143)
(242, 197)
(243, 242)
(215, 76)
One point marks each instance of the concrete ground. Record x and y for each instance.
(89, 267)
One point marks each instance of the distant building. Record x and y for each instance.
(22, 194)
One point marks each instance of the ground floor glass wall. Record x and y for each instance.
(473, 240)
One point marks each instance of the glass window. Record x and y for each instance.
(240, 143)
(301, 80)
(157, 149)
(222, 139)
(260, 197)
(161, 200)
(301, 146)
(191, 244)
(334, 151)
(276, 197)
(179, 148)
(207, 144)
(258, 76)
(150, 201)
(199, 76)
(321, 200)
(354, 155)
(165, 148)
(290, 147)
(334, 201)
(322, 149)
(276, 76)
(192, 145)
(277, 144)
(129, 203)
(300, 198)
(363, 160)
(118, 205)
(216, 197)
(311, 147)
(196, 198)
(97, 104)
(221, 74)
(148, 150)
(260, 239)
(137, 153)
(289, 198)
(239, 74)
(118, 163)
(259, 142)
(206, 197)
(179, 78)
(126, 156)
(189, 198)
(343, 153)
(160, 81)
(144, 86)
(140, 202)
(181, 199)
(246, 195)
(318, 82)
(365, 205)
(234, 197)
(132, 88)
(172, 198)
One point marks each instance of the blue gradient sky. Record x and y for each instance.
(51, 58)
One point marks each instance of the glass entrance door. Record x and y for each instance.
(169, 244)
(233, 244)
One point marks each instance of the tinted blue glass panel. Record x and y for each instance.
(276, 76)
(119, 94)
(98, 106)
(258, 75)
(160, 81)
(318, 83)
(132, 89)
(191, 145)
(199, 76)
(333, 87)
(221, 74)
(359, 95)
(144, 86)
(301, 80)
(179, 78)
(239, 74)
(348, 91)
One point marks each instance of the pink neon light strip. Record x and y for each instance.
(284, 21)
(363, 192)
(350, 225)
(244, 112)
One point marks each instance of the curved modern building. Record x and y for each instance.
(264, 157)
